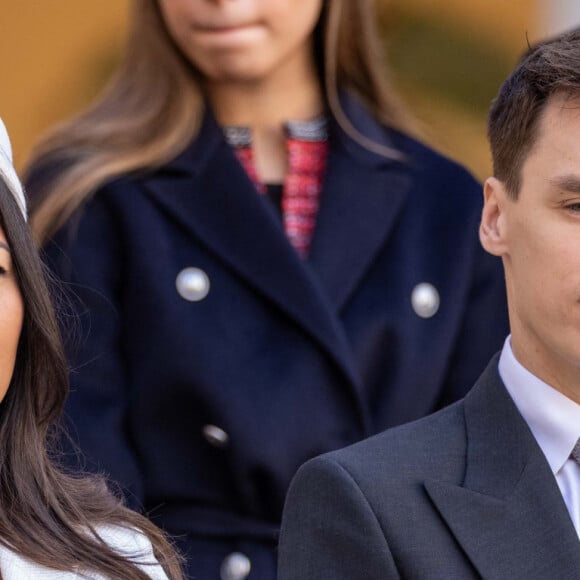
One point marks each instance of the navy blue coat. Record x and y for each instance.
(288, 358)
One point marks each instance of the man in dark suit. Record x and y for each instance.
(490, 486)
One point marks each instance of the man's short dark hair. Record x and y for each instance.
(546, 69)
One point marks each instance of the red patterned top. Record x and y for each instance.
(307, 147)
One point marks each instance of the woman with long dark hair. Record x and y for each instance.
(266, 264)
(52, 524)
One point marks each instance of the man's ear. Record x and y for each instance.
(493, 226)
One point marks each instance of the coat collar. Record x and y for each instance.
(362, 195)
(508, 515)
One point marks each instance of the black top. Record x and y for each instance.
(274, 194)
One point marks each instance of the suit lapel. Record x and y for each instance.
(363, 193)
(243, 230)
(509, 516)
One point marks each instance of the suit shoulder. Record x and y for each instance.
(433, 446)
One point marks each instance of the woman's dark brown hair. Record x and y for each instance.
(48, 516)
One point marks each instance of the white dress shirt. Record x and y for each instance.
(554, 420)
(128, 542)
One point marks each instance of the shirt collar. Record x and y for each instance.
(553, 418)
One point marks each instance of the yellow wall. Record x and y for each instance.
(54, 53)
(500, 21)
(506, 25)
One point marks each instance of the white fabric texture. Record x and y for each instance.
(7, 171)
(128, 542)
(554, 420)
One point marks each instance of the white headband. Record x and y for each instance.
(7, 171)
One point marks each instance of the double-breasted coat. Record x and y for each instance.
(212, 360)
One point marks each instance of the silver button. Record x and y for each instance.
(425, 300)
(192, 284)
(236, 566)
(216, 436)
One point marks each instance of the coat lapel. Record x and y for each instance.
(508, 516)
(208, 192)
(363, 193)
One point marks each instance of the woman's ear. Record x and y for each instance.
(493, 226)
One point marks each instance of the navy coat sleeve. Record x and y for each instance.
(87, 257)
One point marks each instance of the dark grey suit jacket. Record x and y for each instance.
(464, 493)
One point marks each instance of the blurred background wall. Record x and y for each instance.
(56, 55)
(448, 58)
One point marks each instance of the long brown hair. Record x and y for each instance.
(48, 516)
(153, 107)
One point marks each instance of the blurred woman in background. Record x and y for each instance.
(266, 264)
